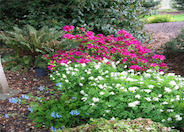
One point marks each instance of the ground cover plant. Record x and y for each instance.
(90, 84)
(163, 18)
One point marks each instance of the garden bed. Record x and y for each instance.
(28, 83)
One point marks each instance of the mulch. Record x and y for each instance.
(27, 82)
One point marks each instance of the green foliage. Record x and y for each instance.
(29, 44)
(175, 46)
(159, 19)
(98, 90)
(102, 125)
(105, 16)
(178, 4)
(151, 3)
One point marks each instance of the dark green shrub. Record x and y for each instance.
(151, 3)
(30, 44)
(175, 46)
(103, 16)
(178, 4)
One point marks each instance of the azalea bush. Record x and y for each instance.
(84, 47)
(96, 90)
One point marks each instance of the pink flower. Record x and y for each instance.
(135, 67)
(68, 36)
(68, 28)
(122, 32)
(160, 57)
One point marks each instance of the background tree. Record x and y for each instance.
(178, 4)
(151, 4)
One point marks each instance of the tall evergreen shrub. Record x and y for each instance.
(104, 16)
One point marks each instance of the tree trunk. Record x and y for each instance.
(4, 88)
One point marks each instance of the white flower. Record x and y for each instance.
(172, 100)
(107, 111)
(91, 78)
(83, 64)
(64, 76)
(161, 73)
(148, 99)
(172, 83)
(100, 78)
(102, 93)
(163, 120)
(160, 95)
(97, 66)
(80, 84)
(147, 75)
(92, 104)
(148, 128)
(178, 118)
(118, 85)
(138, 96)
(176, 87)
(170, 110)
(133, 104)
(132, 89)
(156, 99)
(67, 72)
(165, 103)
(167, 89)
(125, 66)
(112, 93)
(112, 119)
(169, 119)
(82, 78)
(161, 110)
(84, 98)
(147, 90)
(95, 99)
(82, 92)
(66, 81)
(171, 74)
(177, 97)
(150, 86)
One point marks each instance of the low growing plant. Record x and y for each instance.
(97, 90)
(159, 19)
(29, 44)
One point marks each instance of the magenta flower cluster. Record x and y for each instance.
(123, 48)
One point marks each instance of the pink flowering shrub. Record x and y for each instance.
(123, 48)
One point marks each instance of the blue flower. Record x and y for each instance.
(6, 116)
(75, 98)
(13, 100)
(53, 129)
(30, 109)
(41, 88)
(24, 96)
(74, 112)
(55, 115)
(59, 84)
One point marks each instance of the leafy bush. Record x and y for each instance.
(98, 90)
(159, 19)
(29, 44)
(151, 3)
(103, 16)
(175, 46)
(101, 125)
(89, 47)
(178, 4)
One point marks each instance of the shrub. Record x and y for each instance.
(175, 46)
(178, 4)
(101, 16)
(151, 4)
(99, 125)
(98, 90)
(89, 47)
(29, 44)
(159, 19)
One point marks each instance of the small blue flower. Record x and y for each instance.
(6, 116)
(59, 84)
(24, 96)
(41, 88)
(47, 92)
(75, 98)
(13, 100)
(30, 109)
(55, 115)
(53, 129)
(74, 112)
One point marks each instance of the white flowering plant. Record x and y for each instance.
(98, 90)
